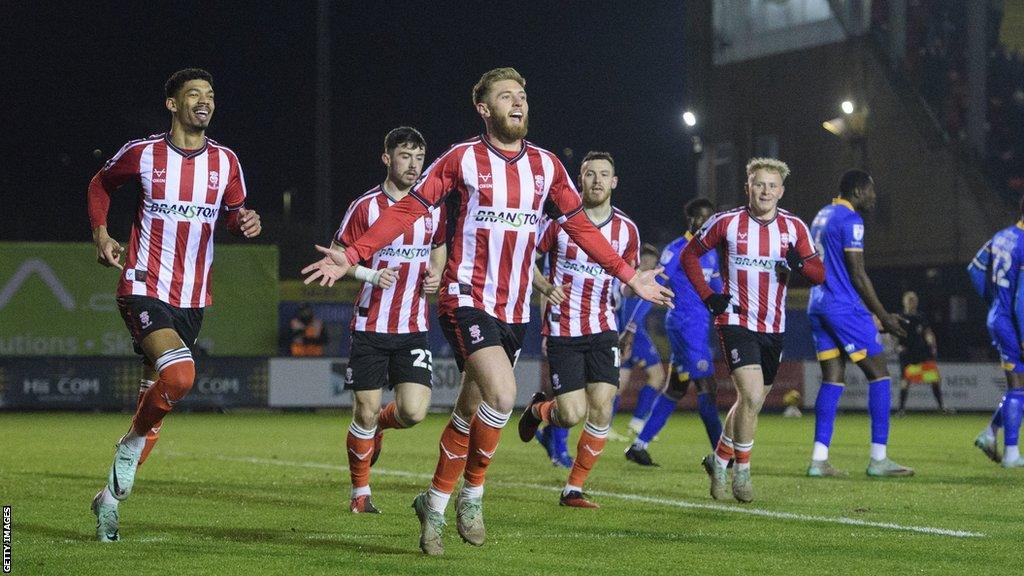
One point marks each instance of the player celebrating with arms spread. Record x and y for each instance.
(389, 320)
(842, 325)
(497, 186)
(582, 336)
(187, 179)
(762, 246)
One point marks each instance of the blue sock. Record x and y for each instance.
(660, 411)
(879, 403)
(825, 406)
(1013, 406)
(709, 415)
(559, 439)
(644, 401)
(997, 417)
(615, 404)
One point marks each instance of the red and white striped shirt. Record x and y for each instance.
(170, 251)
(752, 259)
(402, 308)
(494, 202)
(589, 307)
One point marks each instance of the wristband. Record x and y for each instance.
(365, 274)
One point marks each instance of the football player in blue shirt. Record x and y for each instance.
(978, 270)
(840, 312)
(688, 326)
(1005, 284)
(632, 316)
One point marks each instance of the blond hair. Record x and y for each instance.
(483, 86)
(771, 164)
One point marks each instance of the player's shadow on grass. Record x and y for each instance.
(291, 536)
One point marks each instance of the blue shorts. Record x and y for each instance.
(852, 333)
(644, 354)
(1004, 338)
(691, 350)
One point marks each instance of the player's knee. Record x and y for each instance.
(411, 414)
(571, 413)
(365, 415)
(753, 401)
(177, 373)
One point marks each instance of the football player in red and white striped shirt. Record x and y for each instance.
(496, 187)
(760, 246)
(582, 339)
(187, 181)
(389, 319)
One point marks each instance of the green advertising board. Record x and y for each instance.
(55, 300)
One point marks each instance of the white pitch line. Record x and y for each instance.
(630, 497)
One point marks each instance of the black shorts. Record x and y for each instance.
(468, 329)
(743, 347)
(379, 360)
(576, 361)
(144, 315)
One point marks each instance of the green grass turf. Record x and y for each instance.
(265, 493)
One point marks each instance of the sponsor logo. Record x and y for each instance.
(583, 267)
(135, 275)
(858, 232)
(485, 453)
(167, 399)
(511, 218)
(538, 185)
(188, 211)
(591, 450)
(449, 455)
(158, 176)
(214, 179)
(144, 319)
(405, 252)
(46, 274)
(766, 264)
(474, 334)
(484, 182)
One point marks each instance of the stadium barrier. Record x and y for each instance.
(113, 383)
(965, 387)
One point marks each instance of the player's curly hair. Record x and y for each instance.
(179, 78)
(771, 164)
(853, 180)
(483, 86)
(404, 135)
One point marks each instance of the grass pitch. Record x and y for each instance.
(267, 493)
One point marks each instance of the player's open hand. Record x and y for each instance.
(249, 222)
(556, 294)
(385, 277)
(645, 285)
(431, 282)
(109, 252)
(891, 323)
(328, 269)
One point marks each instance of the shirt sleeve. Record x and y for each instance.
(852, 233)
(354, 223)
(565, 206)
(435, 184)
(978, 271)
(234, 192)
(121, 168)
(548, 235)
(632, 253)
(716, 276)
(440, 227)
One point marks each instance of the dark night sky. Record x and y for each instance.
(600, 76)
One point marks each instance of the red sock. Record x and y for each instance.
(725, 450)
(360, 449)
(154, 433)
(451, 461)
(588, 449)
(543, 410)
(743, 452)
(484, 434)
(388, 418)
(174, 383)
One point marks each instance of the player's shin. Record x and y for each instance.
(177, 373)
(879, 401)
(451, 463)
(588, 449)
(825, 406)
(484, 434)
(709, 416)
(359, 449)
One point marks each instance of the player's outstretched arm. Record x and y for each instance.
(645, 284)
(328, 269)
(854, 260)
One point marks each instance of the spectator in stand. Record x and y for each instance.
(307, 333)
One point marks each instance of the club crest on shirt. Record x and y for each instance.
(538, 185)
(784, 238)
(214, 178)
(428, 223)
